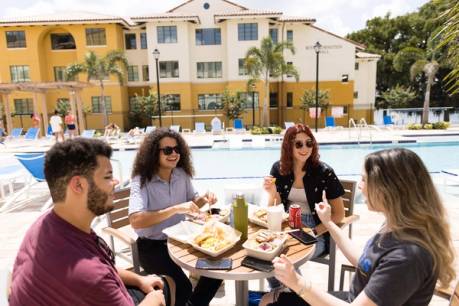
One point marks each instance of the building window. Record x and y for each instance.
(23, 106)
(345, 78)
(289, 35)
(143, 40)
(356, 94)
(273, 99)
(273, 33)
(289, 64)
(96, 37)
(167, 34)
(15, 39)
(247, 31)
(96, 106)
(356, 66)
(210, 101)
(146, 73)
(133, 73)
(242, 68)
(59, 73)
(169, 69)
(130, 41)
(20, 73)
(247, 98)
(209, 70)
(62, 41)
(208, 36)
(290, 99)
(172, 102)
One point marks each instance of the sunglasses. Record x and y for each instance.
(299, 144)
(168, 150)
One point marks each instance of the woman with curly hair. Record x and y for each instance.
(401, 263)
(161, 193)
(300, 177)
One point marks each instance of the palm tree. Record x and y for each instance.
(430, 69)
(99, 69)
(266, 62)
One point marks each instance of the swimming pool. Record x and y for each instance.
(347, 160)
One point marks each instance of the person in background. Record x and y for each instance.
(112, 130)
(401, 263)
(56, 126)
(61, 260)
(69, 121)
(35, 120)
(161, 195)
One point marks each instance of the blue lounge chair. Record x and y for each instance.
(330, 123)
(388, 120)
(16, 133)
(238, 126)
(199, 127)
(88, 133)
(32, 134)
(34, 163)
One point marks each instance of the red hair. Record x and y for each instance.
(286, 160)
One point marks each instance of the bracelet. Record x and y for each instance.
(314, 231)
(304, 289)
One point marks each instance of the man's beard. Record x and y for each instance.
(97, 200)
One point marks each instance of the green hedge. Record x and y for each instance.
(257, 130)
(442, 125)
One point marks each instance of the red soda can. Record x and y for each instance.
(294, 218)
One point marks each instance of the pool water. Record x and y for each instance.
(346, 160)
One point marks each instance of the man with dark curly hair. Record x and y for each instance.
(161, 193)
(61, 260)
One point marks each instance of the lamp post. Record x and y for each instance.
(317, 48)
(156, 56)
(253, 86)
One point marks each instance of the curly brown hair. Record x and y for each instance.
(146, 162)
(286, 160)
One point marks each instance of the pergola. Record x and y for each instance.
(39, 93)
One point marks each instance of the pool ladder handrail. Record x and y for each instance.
(362, 125)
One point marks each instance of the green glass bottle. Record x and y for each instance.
(241, 215)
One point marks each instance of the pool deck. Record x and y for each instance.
(15, 224)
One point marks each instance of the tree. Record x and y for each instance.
(266, 62)
(449, 38)
(100, 68)
(62, 106)
(397, 97)
(233, 105)
(308, 99)
(429, 68)
(142, 109)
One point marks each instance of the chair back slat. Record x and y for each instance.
(348, 197)
(455, 297)
(119, 216)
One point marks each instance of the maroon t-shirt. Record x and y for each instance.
(58, 264)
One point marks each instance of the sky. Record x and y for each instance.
(337, 16)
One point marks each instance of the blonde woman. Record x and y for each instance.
(402, 262)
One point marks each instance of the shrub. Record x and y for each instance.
(442, 125)
(414, 126)
(276, 129)
(427, 126)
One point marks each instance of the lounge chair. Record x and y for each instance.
(8, 176)
(175, 128)
(16, 133)
(330, 123)
(32, 134)
(288, 124)
(5, 283)
(450, 177)
(199, 127)
(216, 126)
(238, 126)
(150, 129)
(34, 163)
(88, 133)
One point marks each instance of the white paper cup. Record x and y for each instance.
(275, 215)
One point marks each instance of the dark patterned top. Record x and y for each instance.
(318, 178)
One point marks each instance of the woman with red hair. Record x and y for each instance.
(300, 178)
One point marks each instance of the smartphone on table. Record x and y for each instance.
(214, 264)
(303, 237)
